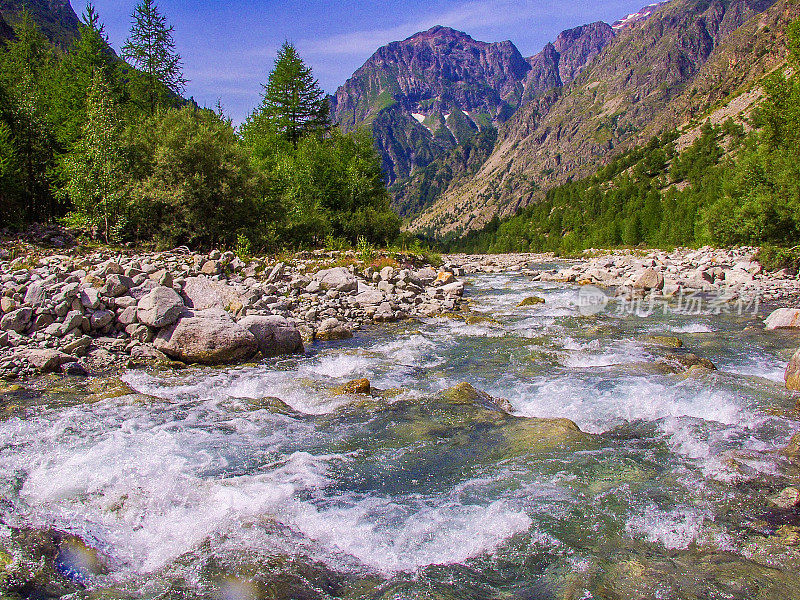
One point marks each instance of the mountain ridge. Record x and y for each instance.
(618, 103)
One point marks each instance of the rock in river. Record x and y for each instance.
(275, 335)
(209, 338)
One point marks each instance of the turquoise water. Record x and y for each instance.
(260, 481)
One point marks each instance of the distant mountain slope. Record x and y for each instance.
(56, 18)
(655, 74)
(429, 95)
(425, 95)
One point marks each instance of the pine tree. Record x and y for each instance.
(94, 169)
(293, 103)
(89, 53)
(151, 49)
(26, 72)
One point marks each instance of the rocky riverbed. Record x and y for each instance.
(505, 443)
(88, 312)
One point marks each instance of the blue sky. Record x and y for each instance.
(229, 46)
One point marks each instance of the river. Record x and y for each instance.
(259, 482)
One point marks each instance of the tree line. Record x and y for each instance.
(729, 187)
(110, 146)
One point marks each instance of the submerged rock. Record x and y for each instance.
(792, 374)
(466, 394)
(663, 341)
(788, 499)
(358, 386)
(531, 301)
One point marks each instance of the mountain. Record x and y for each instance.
(425, 95)
(435, 92)
(55, 18)
(657, 73)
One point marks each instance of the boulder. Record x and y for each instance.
(370, 298)
(101, 319)
(47, 360)
(532, 301)
(444, 278)
(210, 339)
(160, 308)
(38, 293)
(337, 278)
(118, 285)
(202, 293)
(456, 288)
(275, 335)
(17, 321)
(792, 375)
(783, 318)
(332, 329)
(649, 279)
(384, 314)
(90, 298)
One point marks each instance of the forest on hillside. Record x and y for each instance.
(729, 187)
(110, 147)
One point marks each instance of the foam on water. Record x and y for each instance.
(151, 489)
(675, 529)
(598, 405)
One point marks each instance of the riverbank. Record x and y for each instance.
(83, 312)
(731, 273)
(78, 312)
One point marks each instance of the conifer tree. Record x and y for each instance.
(94, 169)
(26, 72)
(293, 103)
(89, 53)
(151, 49)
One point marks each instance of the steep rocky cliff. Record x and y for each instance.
(56, 18)
(655, 74)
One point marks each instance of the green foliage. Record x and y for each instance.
(334, 187)
(151, 49)
(26, 72)
(293, 104)
(365, 250)
(74, 75)
(194, 184)
(94, 168)
(774, 258)
(244, 247)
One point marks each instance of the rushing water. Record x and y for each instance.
(259, 481)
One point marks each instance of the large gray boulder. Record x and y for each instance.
(47, 360)
(17, 321)
(275, 335)
(209, 338)
(337, 278)
(649, 279)
(160, 308)
(371, 297)
(202, 293)
(38, 293)
(783, 318)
